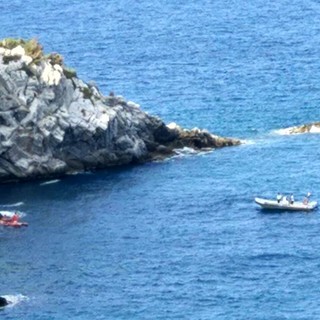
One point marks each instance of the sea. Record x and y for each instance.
(180, 238)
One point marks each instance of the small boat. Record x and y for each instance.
(285, 205)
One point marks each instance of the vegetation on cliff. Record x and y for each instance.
(33, 49)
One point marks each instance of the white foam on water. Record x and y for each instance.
(186, 151)
(283, 132)
(49, 182)
(74, 173)
(247, 142)
(14, 299)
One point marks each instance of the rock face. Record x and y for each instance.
(52, 123)
(306, 128)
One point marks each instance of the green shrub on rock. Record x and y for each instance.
(10, 43)
(33, 49)
(55, 58)
(87, 92)
(69, 73)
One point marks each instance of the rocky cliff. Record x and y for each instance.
(52, 123)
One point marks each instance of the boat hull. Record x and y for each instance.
(285, 206)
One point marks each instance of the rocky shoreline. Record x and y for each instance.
(52, 123)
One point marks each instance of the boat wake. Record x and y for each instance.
(18, 204)
(14, 299)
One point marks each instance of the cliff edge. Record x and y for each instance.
(53, 123)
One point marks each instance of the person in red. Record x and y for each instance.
(15, 218)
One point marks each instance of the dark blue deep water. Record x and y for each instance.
(179, 239)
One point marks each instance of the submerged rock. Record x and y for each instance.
(52, 123)
(306, 128)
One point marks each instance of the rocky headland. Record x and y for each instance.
(52, 123)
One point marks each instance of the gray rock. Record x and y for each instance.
(52, 125)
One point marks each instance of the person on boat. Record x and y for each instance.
(307, 198)
(279, 197)
(291, 199)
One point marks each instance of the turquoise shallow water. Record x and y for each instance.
(180, 239)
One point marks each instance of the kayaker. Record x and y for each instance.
(15, 217)
(6, 219)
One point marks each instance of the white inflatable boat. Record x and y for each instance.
(285, 205)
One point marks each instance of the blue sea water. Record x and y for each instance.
(179, 239)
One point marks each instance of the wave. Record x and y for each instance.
(14, 299)
(18, 204)
(49, 182)
(283, 132)
(247, 142)
(186, 151)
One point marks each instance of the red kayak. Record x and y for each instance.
(15, 224)
(12, 221)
